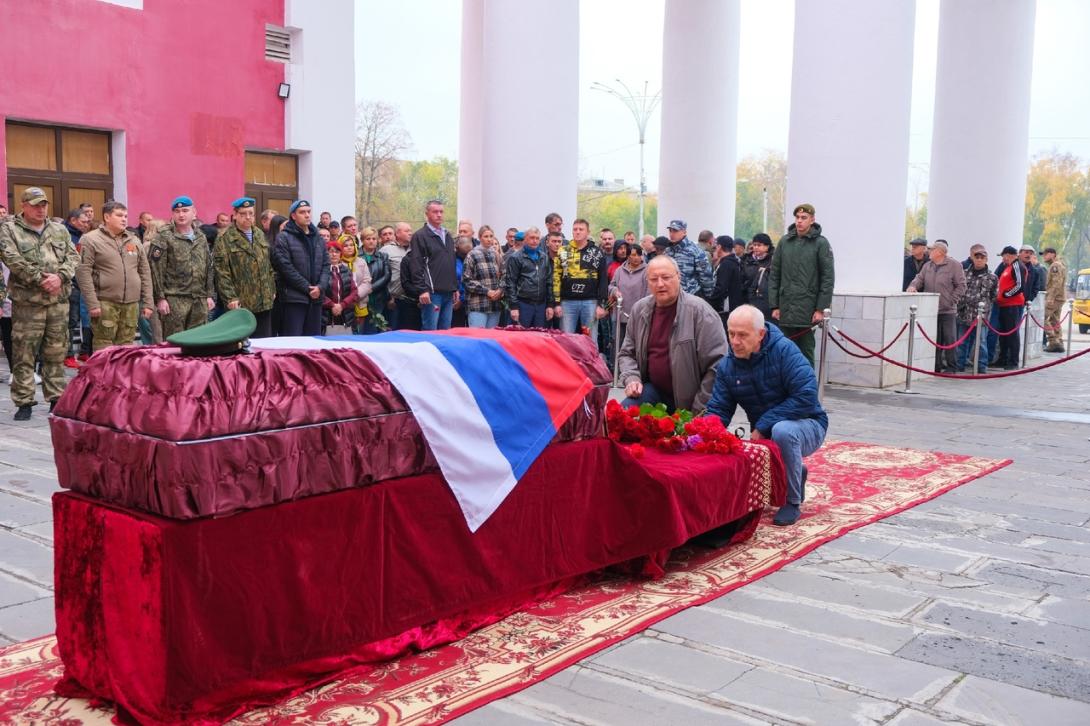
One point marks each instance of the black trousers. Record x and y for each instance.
(946, 361)
(264, 327)
(1009, 348)
(301, 319)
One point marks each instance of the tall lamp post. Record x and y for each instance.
(641, 106)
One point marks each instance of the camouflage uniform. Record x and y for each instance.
(692, 263)
(243, 269)
(39, 321)
(1055, 294)
(181, 274)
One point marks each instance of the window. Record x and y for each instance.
(72, 166)
(272, 179)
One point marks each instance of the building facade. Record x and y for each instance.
(145, 101)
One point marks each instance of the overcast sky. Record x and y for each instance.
(623, 39)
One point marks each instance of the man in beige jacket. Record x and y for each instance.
(114, 278)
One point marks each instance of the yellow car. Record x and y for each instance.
(1081, 307)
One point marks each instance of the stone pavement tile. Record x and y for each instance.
(911, 717)
(16, 511)
(902, 578)
(836, 591)
(42, 531)
(1062, 610)
(506, 713)
(586, 696)
(865, 629)
(1023, 579)
(921, 556)
(786, 697)
(28, 620)
(1036, 670)
(14, 592)
(26, 558)
(683, 667)
(1047, 637)
(36, 459)
(876, 672)
(966, 500)
(989, 701)
(28, 484)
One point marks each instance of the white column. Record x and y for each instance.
(980, 139)
(470, 132)
(321, 125)
(530, 161)
(847, 150)
(699, 147)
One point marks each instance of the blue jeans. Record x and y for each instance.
(965, 350)
(577, 313)
(436, 316)
(797, 439)
(651, 395)
(483, 320)
(531, 316)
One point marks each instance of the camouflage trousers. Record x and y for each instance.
(1052, 322)
(185, 313)
(116, 325)
(38, 330)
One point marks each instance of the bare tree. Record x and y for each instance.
(381, 139)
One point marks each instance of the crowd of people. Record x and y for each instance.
(969, 286)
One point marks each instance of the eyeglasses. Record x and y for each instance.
(980, 256)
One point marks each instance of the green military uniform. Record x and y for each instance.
(1055, 295)
(39, 321)
(243, 269)
(800, 283)
(181, 274)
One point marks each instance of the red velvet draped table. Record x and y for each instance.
(182, 620)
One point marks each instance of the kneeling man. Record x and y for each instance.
(672, 344)
(767, 375)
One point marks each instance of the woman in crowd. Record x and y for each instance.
(378, 270)
(349, 251)
(630, 282)
(482, 278)
(340, 303)
(620, 255)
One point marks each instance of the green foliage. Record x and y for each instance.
(916, 222)
(401, 195)
(658, 410)
(620, 211)
(1057, 201)
(756, 174)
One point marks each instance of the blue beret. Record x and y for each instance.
(296, 204)
(181, 202)
(520, 236)
(244, 202)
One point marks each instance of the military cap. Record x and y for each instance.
(225, 335)
(808, 208)
(296, 204)
(182, 201)
(676, 224)
(34, 195)
(244, 203)
(520, 236)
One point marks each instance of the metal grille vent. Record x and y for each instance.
(277, 44)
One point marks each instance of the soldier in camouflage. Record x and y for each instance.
(696, 270)
(181, 270)
(244, 273)
(1055, 296)
(42, 260)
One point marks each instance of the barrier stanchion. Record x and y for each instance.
(616, 338)
(911, 346)
(1070, 324)
(1025, 338)
(979, 337)
(823, 369)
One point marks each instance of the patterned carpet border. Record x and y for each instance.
(851, 485)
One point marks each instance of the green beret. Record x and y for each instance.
(808, 208)
(225, 335)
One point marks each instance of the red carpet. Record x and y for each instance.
(850, 485)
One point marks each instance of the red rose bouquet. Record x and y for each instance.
(650, 426)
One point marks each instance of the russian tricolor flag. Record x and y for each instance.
(487, 401)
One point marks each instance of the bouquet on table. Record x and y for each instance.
(649, 425)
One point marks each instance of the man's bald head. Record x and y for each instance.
(745, 330)
(664, 280)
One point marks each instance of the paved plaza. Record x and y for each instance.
(971, 608)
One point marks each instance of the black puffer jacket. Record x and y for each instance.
(302, 261)
(379, 267)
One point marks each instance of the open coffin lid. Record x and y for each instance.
(186, 437)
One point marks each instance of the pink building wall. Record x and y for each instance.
(185, 80)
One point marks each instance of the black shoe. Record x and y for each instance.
(802, 486)
(1010, 368)
(23, 414)
(52, 405)
(788, 515)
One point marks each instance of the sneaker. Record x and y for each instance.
(788, 515)
(37, 378)
(71, 362)
(23, 414)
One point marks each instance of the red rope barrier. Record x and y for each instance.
(802, 332)
(1012, 331)
(1049, 328)
(940, 346)
(958, 376)
(895, 339)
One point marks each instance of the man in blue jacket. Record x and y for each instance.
(767, 375)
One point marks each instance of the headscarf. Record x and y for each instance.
(350, 261)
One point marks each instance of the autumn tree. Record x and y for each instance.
(758, 175)
(381, 140)
(1057, 201)
(620, 210)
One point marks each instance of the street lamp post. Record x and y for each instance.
(642, 107)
